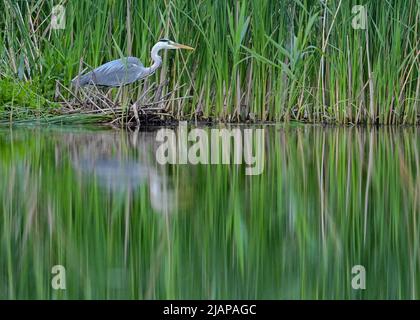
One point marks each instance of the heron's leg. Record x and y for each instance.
(136, 113)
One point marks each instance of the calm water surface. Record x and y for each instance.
(123, 226)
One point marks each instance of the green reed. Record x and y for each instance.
(266, 60)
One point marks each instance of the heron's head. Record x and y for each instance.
(168, 44)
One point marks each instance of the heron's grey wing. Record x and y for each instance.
(114, 73)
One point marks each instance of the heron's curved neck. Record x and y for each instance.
(157, 59)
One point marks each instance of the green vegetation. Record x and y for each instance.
(21, 94)
(20, 102)
(257, 59)
(328, 199)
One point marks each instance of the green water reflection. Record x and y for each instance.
(123, 226)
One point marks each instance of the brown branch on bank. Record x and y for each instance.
(151, 107)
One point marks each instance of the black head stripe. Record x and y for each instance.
(164, 40)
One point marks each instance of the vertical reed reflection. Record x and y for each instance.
(126, 227)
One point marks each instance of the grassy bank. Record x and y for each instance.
(255, 60)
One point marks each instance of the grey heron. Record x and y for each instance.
(126, 70)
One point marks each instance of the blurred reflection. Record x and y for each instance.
(121, 162)
(329, 199)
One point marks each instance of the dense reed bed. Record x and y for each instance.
(327, 200)
(255, 60)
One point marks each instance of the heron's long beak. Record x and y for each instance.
(183, 46)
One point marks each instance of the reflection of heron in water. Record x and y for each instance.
(126, 176)
(114, 170)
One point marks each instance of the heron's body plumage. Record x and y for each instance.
(126, 70)
(114, 73)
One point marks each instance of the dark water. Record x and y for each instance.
(123, 226)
